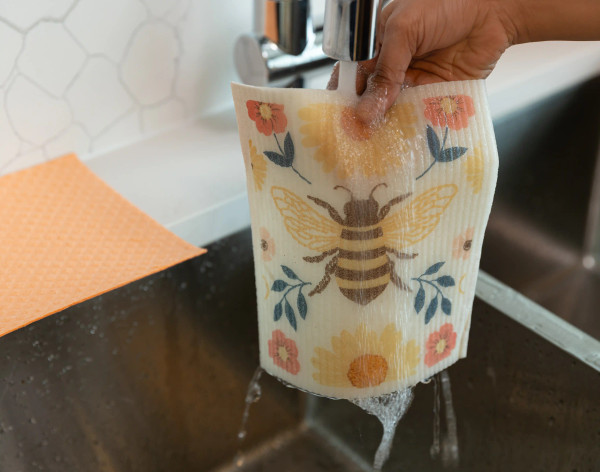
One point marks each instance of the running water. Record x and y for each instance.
(388, 409)
(447, 448)
(253, 395)
(347, 77)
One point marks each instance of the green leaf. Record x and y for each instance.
(434, 268)
(431, 309)
(451, 154)
(277, 312)
(279, 286)
(289, 314)
(302, 306)
(445, 281)
(420, 299)
(288, 147)
(289, 272)
(433, 142)
(446, 306)
(276, 158)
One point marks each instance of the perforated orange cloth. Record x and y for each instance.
(66, 236)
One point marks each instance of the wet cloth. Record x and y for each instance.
(366, 240)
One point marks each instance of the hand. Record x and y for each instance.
(427, 41)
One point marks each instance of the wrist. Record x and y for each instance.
(511, 15)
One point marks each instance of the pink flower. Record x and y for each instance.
(461, 247)
(269, 117)
(284, 352)
(440, 344)
(452, 111)
(267, 245)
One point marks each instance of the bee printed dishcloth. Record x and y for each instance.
(366, 240)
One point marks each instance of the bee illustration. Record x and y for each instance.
(362, 241)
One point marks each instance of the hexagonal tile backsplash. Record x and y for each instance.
(89, 75)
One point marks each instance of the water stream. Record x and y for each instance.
(347, 78)
(445, 446)
(388, 409)
(253, 394)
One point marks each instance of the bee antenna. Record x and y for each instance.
(376, 187)
(346, 189)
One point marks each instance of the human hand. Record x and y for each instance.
(427, 41)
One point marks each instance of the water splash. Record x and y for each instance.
(388, 409)
(445, 448)
(253, 395)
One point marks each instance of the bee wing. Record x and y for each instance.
(304, 223)
(418, 219)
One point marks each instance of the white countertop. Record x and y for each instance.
(192, 179)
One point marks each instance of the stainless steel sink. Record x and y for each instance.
(152, 377)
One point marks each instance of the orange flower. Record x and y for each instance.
(267, 245)
(269, 117)
(284, 352)
(461, 247)
(345, 144)
(440, 344)
(452, 111)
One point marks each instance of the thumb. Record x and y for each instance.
(385, 83)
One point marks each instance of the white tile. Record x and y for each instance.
(97, 97)
(10, 143)
(162, 116)
(124, 131)
(148, 68)
(35, 115)
(105, 26)
(179, 12)
(159, 7)
(24, 13)
(24, 161)
(11, 42)
(73, 139)
(51, 58)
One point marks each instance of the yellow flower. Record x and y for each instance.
(259, 166)
(345, 144)
(474, 170)
(364, 359)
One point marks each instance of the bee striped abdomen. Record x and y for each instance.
(363, 268)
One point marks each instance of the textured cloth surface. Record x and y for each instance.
(367, 240)
(65, 236)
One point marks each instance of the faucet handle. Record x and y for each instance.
(349, 29)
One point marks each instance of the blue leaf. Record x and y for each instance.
(288, 147)
(445, 281)
(289, 314)
(431, 309)
(451, 154)
(446, 306)
(302, 307)
(277, 312)
(433, 142)
(279, 285)
(276, 158)
(434, 268)
(420, 299)
(289, 272)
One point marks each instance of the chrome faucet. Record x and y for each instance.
(284, 44)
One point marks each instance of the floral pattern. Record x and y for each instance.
(284, 352)
(364, 359)
(443, 281)
(347, 146)
(281, 285)
(258, 165)
(267, 245)
(452, 111)
(439, 345)
(473, 166)
(269, 117)
(461, 246)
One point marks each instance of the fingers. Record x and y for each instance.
(386, 81)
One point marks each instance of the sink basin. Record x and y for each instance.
(152, 376)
